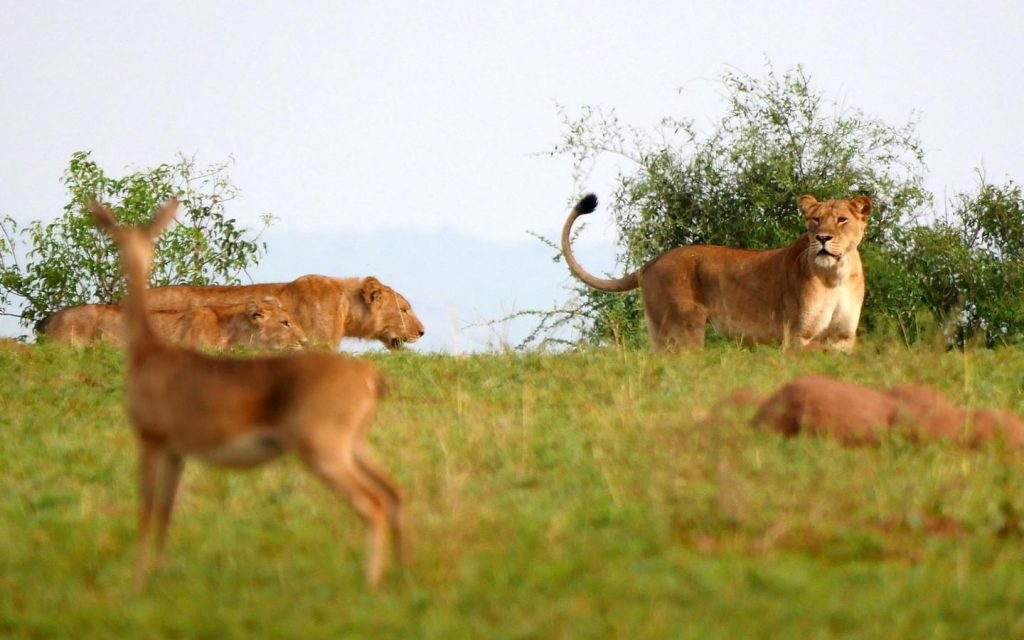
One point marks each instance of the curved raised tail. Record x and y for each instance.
(587, 205)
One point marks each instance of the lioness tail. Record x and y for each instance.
(586, 205)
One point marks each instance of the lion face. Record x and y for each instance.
(394, 321)
(834, 228)
(272, 326)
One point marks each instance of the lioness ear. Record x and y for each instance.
(862, 205)
(806, 204)
(162, 218)
(372, 289)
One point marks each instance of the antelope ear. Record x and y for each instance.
(372, 290)
(862, 205)
(806, 205)
(103, 217)
(162, 218)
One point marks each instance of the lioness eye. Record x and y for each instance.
(817, 220)
(286, 323)
(842, 220)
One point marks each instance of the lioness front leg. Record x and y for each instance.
(843, 344)
(794, 342)
(804, 344)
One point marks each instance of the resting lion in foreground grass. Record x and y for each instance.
(328, 309)
(853, 414)
(806, 295)
(263, 325)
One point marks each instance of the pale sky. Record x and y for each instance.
(406, 140)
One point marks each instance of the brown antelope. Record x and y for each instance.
(243, 412)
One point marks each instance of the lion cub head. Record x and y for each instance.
(270, 327)
(394, 321)
(834, 228)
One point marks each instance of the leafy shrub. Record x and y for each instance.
(738, 185)
(967, 268)
(69, 262)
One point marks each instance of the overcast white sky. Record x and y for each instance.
(402, 139)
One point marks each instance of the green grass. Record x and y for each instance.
(549, 496)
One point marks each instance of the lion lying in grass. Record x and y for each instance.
(328, 309)
(83, 324)
(854, 415)
(263, 325)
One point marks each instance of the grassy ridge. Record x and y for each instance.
(576, 495)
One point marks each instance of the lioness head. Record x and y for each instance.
(394, 322)
(834, 227)
(272, 327)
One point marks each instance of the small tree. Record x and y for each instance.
(738, 185)
(68, 262)
(966, 267)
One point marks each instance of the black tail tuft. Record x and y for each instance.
(587, 204)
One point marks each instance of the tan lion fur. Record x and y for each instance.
(244, 411)
(328, 309)
(264, 325)
(85, 324)
(853, 414)
(806, 295)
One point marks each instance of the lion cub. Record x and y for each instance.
(263, 325)
(806, 295)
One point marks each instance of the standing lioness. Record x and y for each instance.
(808, 294)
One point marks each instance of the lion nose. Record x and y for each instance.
(823, 239)
(422, 332)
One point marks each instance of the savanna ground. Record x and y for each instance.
(579, 495)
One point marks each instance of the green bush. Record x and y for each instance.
(738, 185)
(966, 267)
(68, 262)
